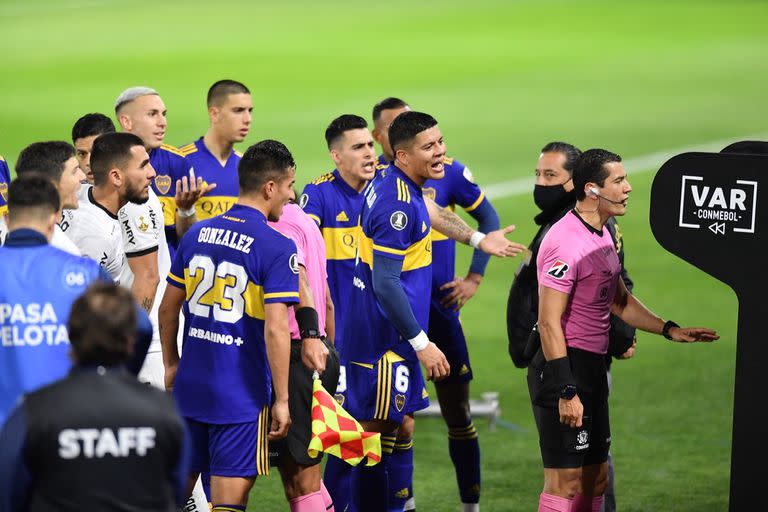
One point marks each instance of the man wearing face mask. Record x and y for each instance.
(554, 196)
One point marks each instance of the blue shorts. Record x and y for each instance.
(386, 390)
(445, 331)
(234, 449)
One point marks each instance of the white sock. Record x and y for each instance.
(410, 504)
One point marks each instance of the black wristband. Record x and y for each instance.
(308, 323)
(669, 324)
(561, 372)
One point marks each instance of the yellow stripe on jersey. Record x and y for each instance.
(188, 149)
(438, 236)
(172, 149)
(278, 295)
(212, 206)
(262, 448)
(315, 218)
(169, 209)
(4, 209)
(476, 203)
(418, 255)
(322, 179)
(176, 278)
(403, 192)
(340, 243)
(447, 160)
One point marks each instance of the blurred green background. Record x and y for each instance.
(503, 78)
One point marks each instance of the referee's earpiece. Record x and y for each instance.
(594, 191)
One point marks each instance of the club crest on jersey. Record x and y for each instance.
(339, 398)
(398, 220)
(4, 191)
(429, 192)
(163, 183)
(400, 402)
(303, 200)
(293, 262)
(559, 269)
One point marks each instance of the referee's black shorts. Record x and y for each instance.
(562, 446)
(300, 406)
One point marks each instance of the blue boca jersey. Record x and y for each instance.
(335, 206)
(5, 180)
(209, 168)
(230, 266)
(170, 165)
(394, 223)
(35, 300)
(456, 188)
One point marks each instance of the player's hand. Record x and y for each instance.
(630, 353)
(462, 289)
(188, 191)
(692, 334)
(281, 420)
(434, 362)
(314, 354)
(571, 411)
(495, 243)
(170, 376)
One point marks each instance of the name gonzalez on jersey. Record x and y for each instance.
(35, 323)
(227, 238)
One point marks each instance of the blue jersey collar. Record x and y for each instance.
(25, 237)
(344, 185)
(405, 177)
(200, 143)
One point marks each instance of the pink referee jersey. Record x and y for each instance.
(310, 250)
(577, 259)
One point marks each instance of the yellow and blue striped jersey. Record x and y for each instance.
(208, 167)
(170, 165)
(230, 266)
(5, 180)
(335, 207)
(394, 223)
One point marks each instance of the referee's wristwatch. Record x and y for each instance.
(668, 325)
(310, 333)
(568, 392)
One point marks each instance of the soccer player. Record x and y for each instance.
(387, 313)
(449, 294)
(122, 173)
(97, 439)
(5, 179)
(235, 276)
(555, 196)
(213, 156)
(37, 293)
(310, 351)
(334, 201)
(84, 132)
(579, 286)
(141, 111)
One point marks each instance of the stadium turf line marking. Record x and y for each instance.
(635, 165)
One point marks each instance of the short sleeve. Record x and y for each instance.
(311, 201)
(466, 193)
(141, 229)
(391, 227)
(556, 266)
(281, 276)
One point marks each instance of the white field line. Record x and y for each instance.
(635, 165)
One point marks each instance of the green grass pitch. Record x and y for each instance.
(503, 78)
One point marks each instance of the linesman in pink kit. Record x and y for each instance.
(579, 287)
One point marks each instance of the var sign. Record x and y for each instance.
(717, 205)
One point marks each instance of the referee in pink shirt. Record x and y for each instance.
(311, 324)
(579, 287)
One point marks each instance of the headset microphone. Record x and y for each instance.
(596, 193)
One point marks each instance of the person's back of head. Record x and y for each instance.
(266, 175)
(46, 158)
(102, 326)
(90, 125)
(33, 202)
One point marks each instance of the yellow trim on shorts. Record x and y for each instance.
(262, 449)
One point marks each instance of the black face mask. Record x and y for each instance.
(547, 197)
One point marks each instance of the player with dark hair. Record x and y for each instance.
(449, 295)
(213, 156)
(387, 315)
(84, 132)
(579, 286)
(235, 277)
(97, 439)
(55, 160)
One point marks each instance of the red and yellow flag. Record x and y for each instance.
(337, 433)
